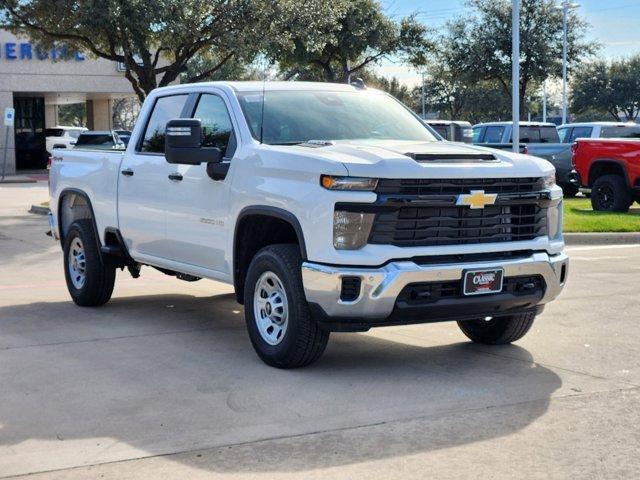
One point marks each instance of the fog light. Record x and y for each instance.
(351, 229)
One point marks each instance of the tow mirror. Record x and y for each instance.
(183, 143)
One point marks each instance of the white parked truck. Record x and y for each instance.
(328, 207)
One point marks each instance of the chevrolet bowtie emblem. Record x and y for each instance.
(477, 199)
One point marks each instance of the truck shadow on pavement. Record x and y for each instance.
(163, 374)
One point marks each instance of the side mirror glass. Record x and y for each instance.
(183, 143)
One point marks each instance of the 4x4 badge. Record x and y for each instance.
(476, 199)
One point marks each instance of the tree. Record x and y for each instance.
(610, 88)
(479, 48)
(155, 39)
(361, 36)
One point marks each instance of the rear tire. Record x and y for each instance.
(280, 326)
(610, 193)
(498, 331)
(89, 280)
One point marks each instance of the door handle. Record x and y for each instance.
(175, 177)
(127, 173)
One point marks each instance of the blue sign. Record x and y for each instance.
(25, 51)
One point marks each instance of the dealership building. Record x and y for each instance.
(36, 83)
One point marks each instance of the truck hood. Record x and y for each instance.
(390, 159)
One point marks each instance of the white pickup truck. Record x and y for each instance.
(328, 207)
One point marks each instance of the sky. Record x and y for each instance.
(615, 24)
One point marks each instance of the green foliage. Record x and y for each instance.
(612, 88)
(73, 115)
(156, 39)
(360, 35)
(478, 49)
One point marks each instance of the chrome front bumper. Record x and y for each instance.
(381, 286)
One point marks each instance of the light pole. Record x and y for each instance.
(424, 100)
(515, 74)
(565, 6)
(544, 101)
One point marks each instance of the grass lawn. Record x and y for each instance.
(578, 217)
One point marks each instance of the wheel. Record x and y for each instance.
(89, 280)
(280, 326)
(569, 190)
(498, 331)
(610, 194)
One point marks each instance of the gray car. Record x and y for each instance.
(452, 130)
(541, 140)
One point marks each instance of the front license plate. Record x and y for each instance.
(479, 282)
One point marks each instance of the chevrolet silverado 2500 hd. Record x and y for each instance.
(328, 207)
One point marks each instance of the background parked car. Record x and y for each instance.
(124, 135)
(541, 139)
(452, 130)
(611, 169)
(570, 132)
(62, 137)
(99, 140)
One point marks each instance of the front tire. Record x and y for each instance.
(89, 280)
(498, 331)
(610, 194)
(280, 326)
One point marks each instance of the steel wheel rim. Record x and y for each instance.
(77, 263)
(270, 308)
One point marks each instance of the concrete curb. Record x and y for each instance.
(605, 238)
(39, 210)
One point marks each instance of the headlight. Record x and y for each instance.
(351, 229)
(554, 220)
(550, 180)
(348, 183)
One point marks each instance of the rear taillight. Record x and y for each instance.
(574, 149)
(525, 150)
(49, 161)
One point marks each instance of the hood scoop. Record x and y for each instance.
(452, 157)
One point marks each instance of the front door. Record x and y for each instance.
(197, 205)
(143, 186)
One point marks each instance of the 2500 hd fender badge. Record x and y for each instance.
(476, 199)
(212, 221)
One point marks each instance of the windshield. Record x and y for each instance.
(53, 132)
(292, 117)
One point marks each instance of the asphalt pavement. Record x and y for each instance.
(162, 382)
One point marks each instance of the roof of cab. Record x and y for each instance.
(254, 86)
(601, 124)
(522, 124)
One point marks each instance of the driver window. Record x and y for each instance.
(217, 130)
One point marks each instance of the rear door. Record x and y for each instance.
(143, 184)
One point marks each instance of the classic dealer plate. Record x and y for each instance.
(479, 282)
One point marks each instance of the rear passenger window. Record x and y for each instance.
(493, 135)
(529, 135)
(549, 135)
(216, 123)
(580, 132)
(165, 109)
